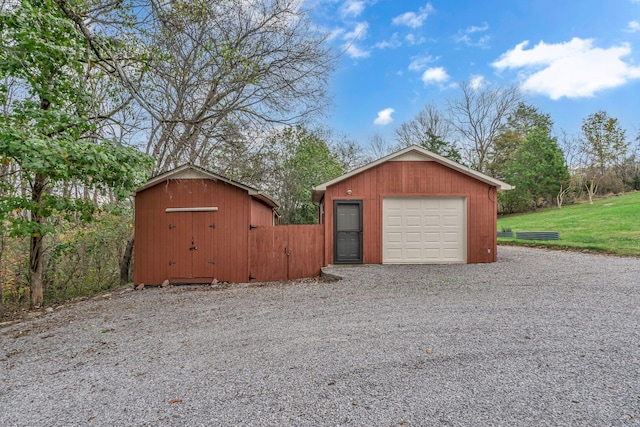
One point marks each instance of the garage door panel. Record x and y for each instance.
(450, 238)
(394, 254)
(420, 230)
(432, 220)
(451, 220)
(413, 237)
(412, 205)
(413, 254)
(413, 221)
(394, 221)
(432, 254)
(394, 237)
(433, 237)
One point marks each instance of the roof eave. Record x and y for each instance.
(264, 198)
(317, 195)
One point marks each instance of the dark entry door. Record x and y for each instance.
(348, 231)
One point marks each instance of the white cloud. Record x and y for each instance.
(466, 36)
(477, 82)
(384, 117)
(419, 63)
(435, 75)
(413, 40)
(352, 8)
(356, 52)
(334, 34)
(358, 33)
(573, 69)
(413, 19)
(392, 43)
(633, 26)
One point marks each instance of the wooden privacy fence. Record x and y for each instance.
(285, 252)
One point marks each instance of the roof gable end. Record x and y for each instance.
(189, 171)
(411, 153)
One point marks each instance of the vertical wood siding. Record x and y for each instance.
(306, 249)
(261, 214)
(419, 179)
(286, 252)
(227, 245)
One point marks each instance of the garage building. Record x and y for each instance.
(410, 207)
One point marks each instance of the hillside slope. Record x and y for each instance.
(610, 225)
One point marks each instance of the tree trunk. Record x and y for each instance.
(125, 263)
(36, 263)
(2, 279)
(36, 276)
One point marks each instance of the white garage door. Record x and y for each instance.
(424, 230)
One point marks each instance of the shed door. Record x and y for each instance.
(192, 249)
(348, 232)
(424, 230)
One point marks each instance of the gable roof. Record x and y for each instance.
(188, 171)
(415, 153)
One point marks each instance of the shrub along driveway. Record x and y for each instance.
(538, 338)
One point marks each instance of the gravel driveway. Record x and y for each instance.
(538, 338)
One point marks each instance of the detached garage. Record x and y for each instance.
(410, 207)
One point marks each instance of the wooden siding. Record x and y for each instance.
(221, 237)
(418, 179)
(261, 214)
(306, 249)
(286, 252)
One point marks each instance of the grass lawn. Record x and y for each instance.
(610, 225)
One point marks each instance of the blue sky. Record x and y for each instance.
(570, 58)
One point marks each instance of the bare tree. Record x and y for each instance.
(477, 117)
(199, 69)
(429, 121)
(429, 129)
(348, 152)
(229, 65)
(379, 147)
(570, 144)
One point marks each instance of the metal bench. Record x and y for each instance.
(538, 235)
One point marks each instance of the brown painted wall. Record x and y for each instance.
(286, 252)
(261, 214)
(415, 178)
(222, 251)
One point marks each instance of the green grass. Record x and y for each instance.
(610, 225)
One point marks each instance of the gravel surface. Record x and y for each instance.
(538, 338)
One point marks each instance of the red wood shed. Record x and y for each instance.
(192, 226)
(410, 207)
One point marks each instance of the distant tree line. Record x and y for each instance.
(494, 131)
